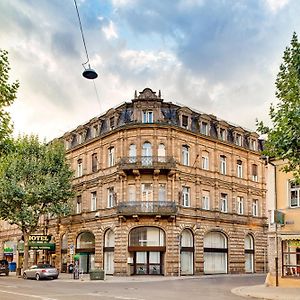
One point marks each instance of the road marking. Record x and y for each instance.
(28, 295)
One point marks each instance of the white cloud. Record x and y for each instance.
(276, 5)
(110, 31)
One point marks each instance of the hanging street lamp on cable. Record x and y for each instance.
(88, 72)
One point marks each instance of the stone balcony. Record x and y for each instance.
(161, 208)
(147, 162)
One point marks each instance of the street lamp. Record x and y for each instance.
(88, 73)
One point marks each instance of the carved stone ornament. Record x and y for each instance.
(147, 93)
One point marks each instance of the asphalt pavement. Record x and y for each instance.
(254, 291)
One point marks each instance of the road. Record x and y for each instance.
(205, 287)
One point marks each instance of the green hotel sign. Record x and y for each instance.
(42, 246)
(40, 242)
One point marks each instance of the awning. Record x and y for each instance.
(286, 237)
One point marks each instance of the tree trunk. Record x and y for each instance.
(26, 250)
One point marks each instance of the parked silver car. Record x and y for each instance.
(41, 271)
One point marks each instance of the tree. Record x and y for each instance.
(35, 180)
(7, 96)
(283, 138)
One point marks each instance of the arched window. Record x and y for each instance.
(109, 248)
(249, 254)
(215, 253)
(186, 253)
(147, 154)
(85, 240)
(64, 242)
(85, 247)
(64, 253)
(147, 248)
(147, 236)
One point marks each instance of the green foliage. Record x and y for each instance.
(283, 140)
(7, 96)
(35, 179)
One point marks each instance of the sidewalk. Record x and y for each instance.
(263, 292)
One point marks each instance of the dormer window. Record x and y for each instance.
(95, 131)
(148, 116)
(238, 139)
(253, 144)
(204, 128)
(80, 138)
(222, 134)
(112, 122)
(185, 121)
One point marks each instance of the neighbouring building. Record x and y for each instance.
(161, 189)
(283, 205)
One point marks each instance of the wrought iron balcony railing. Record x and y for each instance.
(163, 208)
(144, 162)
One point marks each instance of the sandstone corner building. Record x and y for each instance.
(162, 189)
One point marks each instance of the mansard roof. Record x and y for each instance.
(165, 113)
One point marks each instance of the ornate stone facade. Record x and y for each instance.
(163, 189)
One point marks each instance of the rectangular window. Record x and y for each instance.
(255, 208)
(93, 201)
(291, 258)
(78, 204)
(223, 164)
(186, 196)
(80, 138)
(95, 131)
(110, 197)
(79, 168)
(240, 205)
(294, 194)
(223, 203)
(239, 169)
(111, 156)
(112, 122)
(204, 128)
(254, 173)
(185, 155)
(253, 144)
(205, 200)
(147, 192)
(205, 161)
(131, 192)
(185, 121)
(148, 116)
(238, 139)
(222, 134)
(162, 193)
(94, 162)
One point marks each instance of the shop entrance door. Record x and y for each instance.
(148, 262)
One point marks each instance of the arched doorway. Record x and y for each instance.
(109, 248)
(85, 247)
(64, 253)
(215, 253)
(249, 254)
(186, 253)
(147, 247)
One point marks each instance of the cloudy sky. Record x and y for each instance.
(217, 56)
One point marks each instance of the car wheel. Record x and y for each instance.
(55, 277)
(37, 276)
(24, 276)
(7, 273)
